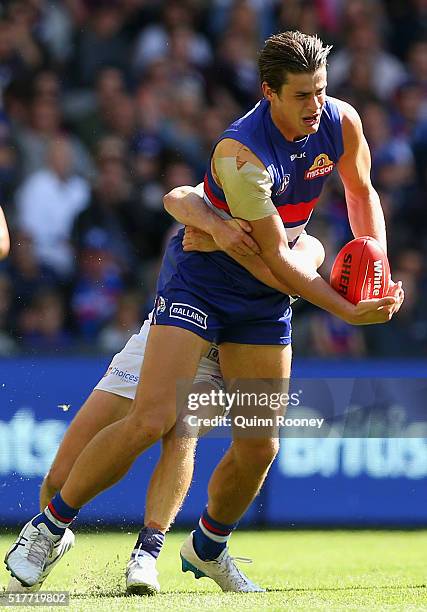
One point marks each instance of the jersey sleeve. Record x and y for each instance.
(247, 189)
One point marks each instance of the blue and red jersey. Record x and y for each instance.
(298, 170)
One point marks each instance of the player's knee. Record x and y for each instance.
(258, 453)
(175, 444)
(141, 431)
(266, 452)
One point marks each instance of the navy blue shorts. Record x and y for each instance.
(214, 297)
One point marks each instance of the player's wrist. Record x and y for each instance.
(343, 309)
(349, 314)
(214, 225)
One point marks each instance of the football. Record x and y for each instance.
(361, 270)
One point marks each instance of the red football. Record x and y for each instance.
(361, 270)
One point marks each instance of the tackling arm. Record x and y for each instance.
(186, 205)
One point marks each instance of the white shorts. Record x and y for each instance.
(122, 375)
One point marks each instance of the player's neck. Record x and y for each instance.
(287, 132)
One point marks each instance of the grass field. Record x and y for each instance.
(305, 570)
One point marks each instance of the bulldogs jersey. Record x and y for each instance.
(298, 170)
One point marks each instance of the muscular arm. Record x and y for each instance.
(4, 236)
(267, 229)
(363, 203)
(186, 205)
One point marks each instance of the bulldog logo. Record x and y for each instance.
(321, 166)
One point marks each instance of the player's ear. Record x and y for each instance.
(267, 91)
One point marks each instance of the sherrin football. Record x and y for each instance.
(361, 270)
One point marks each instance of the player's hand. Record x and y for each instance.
(196, 240)
(396, 290)
(233, 238)
(369, 312)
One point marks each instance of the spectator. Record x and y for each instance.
(236, 69)
(410, 106)
(11, 65)
(95, 123)
(127, 321)
(99, 43)
(181, 131)
(152, 43)
(42, 324)
(22, 17)
(365, 46)
(331, 338)
(407, 335)
(33, 138)
(409, 21)
(98, 286)
(392, 157)
(308, 17)
(111, 208)
(47, 204)
(27, 273)
(262, 11)
(417, 63)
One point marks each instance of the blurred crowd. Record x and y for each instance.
(105, 105)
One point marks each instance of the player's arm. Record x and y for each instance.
(187, 206)
(309, 246)
(365, 214)
(4, 236)
(363, 203)
(206, 231)
(245, 182)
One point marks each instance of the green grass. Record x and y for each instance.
(306, 570)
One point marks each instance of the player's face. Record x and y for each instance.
(297, 107)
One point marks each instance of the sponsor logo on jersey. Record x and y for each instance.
(189, 313)
(321, 166)
(125, 375)
(298, 155)
(284, 185)
(160, 304)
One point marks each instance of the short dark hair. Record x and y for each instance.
(290, 51)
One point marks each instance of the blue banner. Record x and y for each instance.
(316, 481)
